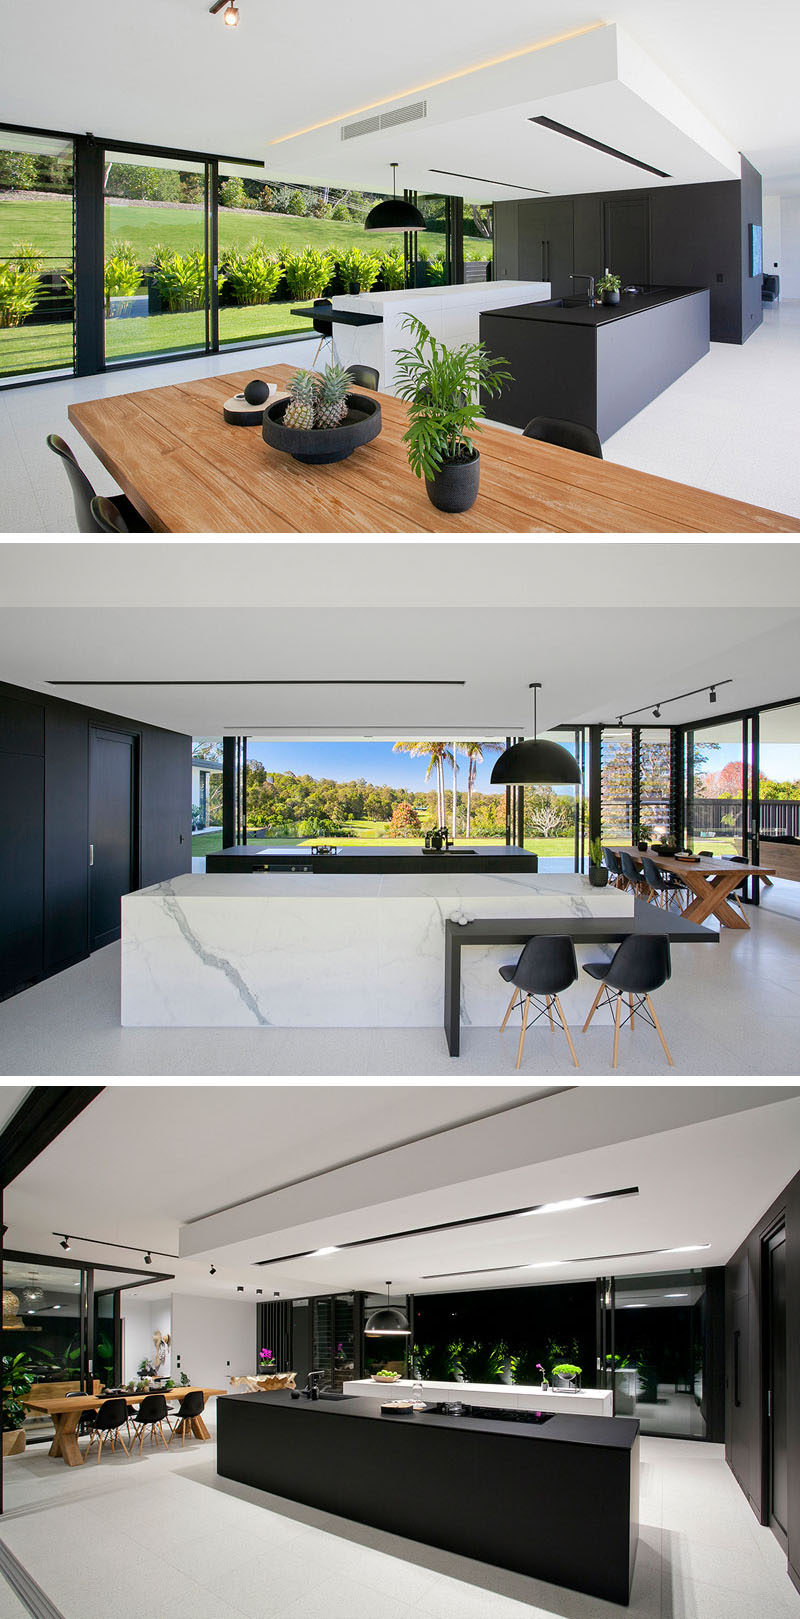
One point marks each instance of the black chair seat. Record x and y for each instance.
(547, 965)
(597, 969)
(568, 435)
(508, 973)
(83, 494)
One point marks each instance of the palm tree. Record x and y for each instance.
(475, 752)
(436, 753)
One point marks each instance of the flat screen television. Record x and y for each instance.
(755, 250)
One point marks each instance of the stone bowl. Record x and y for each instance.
(318, 446)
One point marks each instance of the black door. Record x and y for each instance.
(738, 1369)
(112, 757)
(21, 870)
(546, 244)
(777, 1433)
(627, 239)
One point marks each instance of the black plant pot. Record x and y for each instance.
(455, 487)
(354, 287)
(598, 876)
(642, 847)
(318, 446)
(611, 297)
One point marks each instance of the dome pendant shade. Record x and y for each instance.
(537, 763)
(394, 213)
(387, 1322)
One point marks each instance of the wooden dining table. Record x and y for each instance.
(710, 879)
(66, 1412)
(187, 471)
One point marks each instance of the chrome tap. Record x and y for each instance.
(590, 279)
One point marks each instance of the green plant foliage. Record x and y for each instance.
(321, 209)
(308, 272)
(18, 1381)
(122, 274)
(297, 204)
(565, 1368)
(143, 183)
(253, 275)
(596, 851)
(185, 1380)
(20, 291)
(442, 388)
(192, 188)
(18, 171)
(405, 822)
(27, 256)
(357, 266)
(232, 193)
(608, 282)
(181, 280)
(393, 269)
(341, 212)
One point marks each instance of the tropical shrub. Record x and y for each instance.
(405, 822)
(253, 275)
(359, 267)
(181, 280)
(280, 200)
(192, 188)
(121, 275)
(146, 184)
(434, 266)
(18, 170)
(297, 204)
(19, 292)
(27, 256)
(322, 210)
(232, 193)
(341, 212)
(17, 1384)
(266, 199)
(393, 269)
(308, 272)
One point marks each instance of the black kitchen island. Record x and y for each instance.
(557, 1499)
(597, 365)
(350, 862)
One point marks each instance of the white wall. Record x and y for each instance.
(140, 1318)
(772, 235)
(790, 247)
(212, 1339)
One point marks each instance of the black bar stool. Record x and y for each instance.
(547, 964)
(640, 964)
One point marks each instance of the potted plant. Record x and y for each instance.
(443, 390)
(545, 1383)
(598, 872)
(567, 1376)
(609, 287)
(642, 835)
(185, 1381)
(17, 1383)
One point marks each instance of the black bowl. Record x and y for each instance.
(317, 446)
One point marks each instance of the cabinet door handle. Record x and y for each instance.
(736, 1341)
(91, 854)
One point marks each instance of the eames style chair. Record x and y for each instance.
(632, 874)
(663, 885)
(192, 1405)
(106, 516)
(547, 965)
(569, 435)
(640, 964)
(107, 1421)
(612, 863)
(83, 495)
(152, 1413)
(364, 376)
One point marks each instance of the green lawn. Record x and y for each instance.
(204, 843)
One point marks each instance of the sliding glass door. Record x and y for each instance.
(157, 256)
(37, 223)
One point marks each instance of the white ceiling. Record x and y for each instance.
(706, 1161)
(165, 72)
(584, 618)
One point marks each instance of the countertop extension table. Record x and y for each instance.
(710, 880)
(188, 472)
(66, 1412)
(516, 931)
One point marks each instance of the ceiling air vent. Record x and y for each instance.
(364, 126)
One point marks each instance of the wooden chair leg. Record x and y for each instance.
(566, 1029)
(522, 1030)
(630, 1003)
(616, 1031)
(595, 1004)
(550, 1012)
(659, 1031)
(512, 1003)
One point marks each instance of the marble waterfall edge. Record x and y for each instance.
(297, 950)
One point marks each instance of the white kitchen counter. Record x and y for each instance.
(301, 950)
(452, 315)
(509, 1396)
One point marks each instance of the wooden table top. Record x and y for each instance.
(90, 1402)
(707, 868)
(188, 472)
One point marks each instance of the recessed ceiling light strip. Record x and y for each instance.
(584, 1259)
(508, 185)
(455, 1225)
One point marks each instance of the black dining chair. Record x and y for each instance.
(83, 494)
(640, 964)
(192, 1405)
(364, 376)
(547, 965)
(151, 1414)
(106, 1423)
(613, 865)
(107, 517)
(633, 874)
(569, 435)
(663, 885)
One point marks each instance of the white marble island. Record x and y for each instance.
(303, 950)
(503, 1396)
(451, 313)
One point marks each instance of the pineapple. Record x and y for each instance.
(331, 404)
(302, 394)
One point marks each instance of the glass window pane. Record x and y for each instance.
(779, 783)
(206, 799)
(155, 283)
(41, 1317)
(551, 813)
(616, 785)
(714, 811)
(660, 1339)
(654, 783)
(36, 254)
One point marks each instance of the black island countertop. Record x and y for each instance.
(347, 862)
(630, 303)
(558, 1502)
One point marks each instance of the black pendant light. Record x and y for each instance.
(387, 1322)
(536, 763)
(395, 213)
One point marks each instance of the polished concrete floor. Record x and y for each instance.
(731, 425)
(143, 1538)
(730, 1008)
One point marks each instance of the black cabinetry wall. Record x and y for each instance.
(746, 1371)
(680, 236)
(44, 826)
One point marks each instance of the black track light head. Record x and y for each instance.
(148, 1258)
(657, 712)
(212, 1270)
(65, 1244)
(240, 1289)
(712, 694)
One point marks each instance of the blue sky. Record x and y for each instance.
(780, 761)
(375, 761)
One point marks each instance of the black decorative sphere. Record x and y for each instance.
(256, 392)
